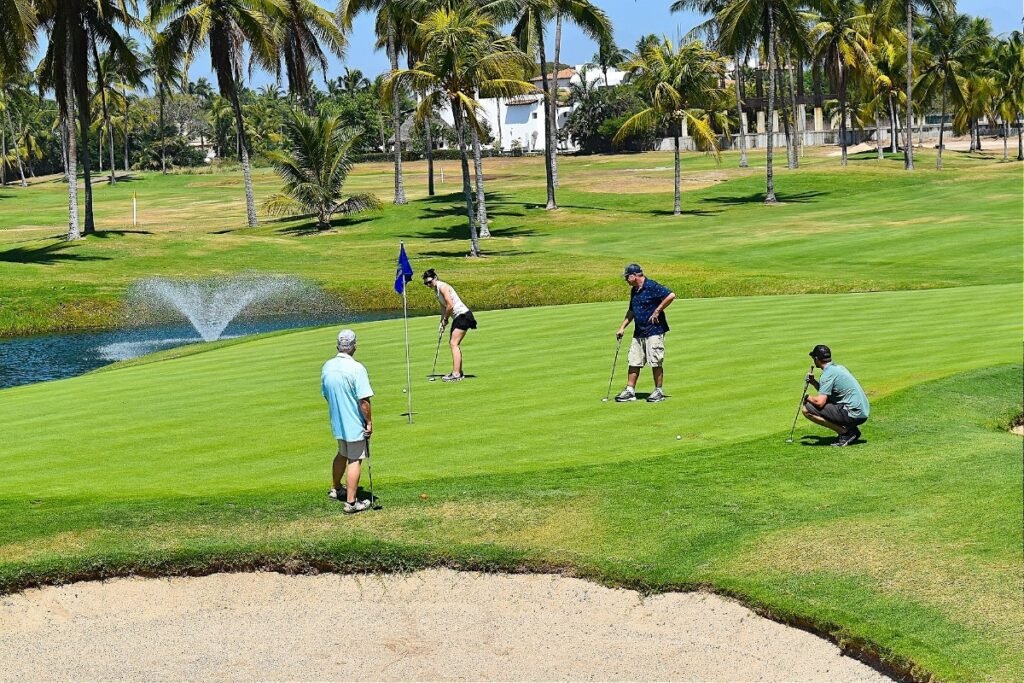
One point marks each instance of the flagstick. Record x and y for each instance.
(408, 370)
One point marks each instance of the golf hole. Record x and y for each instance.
(434, 625)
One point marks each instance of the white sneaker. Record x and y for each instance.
(625, 395)
(358, 506)
(336, 494)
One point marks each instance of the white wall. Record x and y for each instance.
(525, 122)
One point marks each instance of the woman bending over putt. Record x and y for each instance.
(462, 319)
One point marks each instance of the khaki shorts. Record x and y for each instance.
(647, 351)
(353, 450)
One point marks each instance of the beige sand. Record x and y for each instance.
(432, 625)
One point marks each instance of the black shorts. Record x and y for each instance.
(464, 322)
(835, 413)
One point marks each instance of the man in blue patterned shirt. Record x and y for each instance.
(647, 303)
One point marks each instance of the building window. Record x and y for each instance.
(534, 114)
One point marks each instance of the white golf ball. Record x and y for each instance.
(679, 437)
(403, 391)
(604, 400)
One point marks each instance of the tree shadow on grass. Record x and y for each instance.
(642, 212)
(48, 255)
(104, 234)
(310, 228)
(758, 198)
(462, 253)
(461, 232)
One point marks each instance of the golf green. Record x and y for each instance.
(908, 544)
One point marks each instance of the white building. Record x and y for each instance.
(518, 122)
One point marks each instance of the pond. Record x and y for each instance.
(39, 358)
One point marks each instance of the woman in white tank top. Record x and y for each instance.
(461, 317)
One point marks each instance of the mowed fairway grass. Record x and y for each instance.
(869, 227)
(908, 543)
(906, 546)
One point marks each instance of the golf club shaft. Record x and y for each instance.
(437, 350)
(800, 405)
(369, 473)
(618, 345)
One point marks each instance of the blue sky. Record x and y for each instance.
(631, 19)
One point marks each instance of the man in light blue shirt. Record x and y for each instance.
(840, 404)
(346, 386)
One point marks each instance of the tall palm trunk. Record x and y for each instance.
(878, 136)
(548, 169)
(3, 156)
(1020, 141)
(243, 148)
(478, 172)
(163, 132)
(977, 132)
(908, 152)
(893, 119)
(70, 155)
(84, 120)
(396, 114)
(769, 196)
(739, 111)
(99, 149)
(501, 142)
(554, 101)
(677, 208)
(970, 132)
(428, 140)
(1006, 140)
(942, 128)
(126, 132)
(842, 114)
(792, 112)
(467, 191)
(17, 148)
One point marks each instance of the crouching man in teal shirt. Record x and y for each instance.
(840, 404)
(346, 386)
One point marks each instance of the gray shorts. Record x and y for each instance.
(647, 351)
(834, 413)
(353, 450)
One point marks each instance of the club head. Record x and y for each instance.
(789, 440)
(604, 400)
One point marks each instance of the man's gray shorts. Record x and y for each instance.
(834, 413)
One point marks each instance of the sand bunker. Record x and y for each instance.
(432, 625)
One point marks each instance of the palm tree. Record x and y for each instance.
(19, 20)
(164, 67)
(887, 14)
(314, 166)
(462, 54)
(746, 24)
(710, 29)
(389, 16)
(947, 41)
(75, 29)
(842, 41)
(608, 56)
(678, 81)
(306, 28)
(1008, 67)
(980, 91)
(110, 65)
(226, 26)
(531, 17)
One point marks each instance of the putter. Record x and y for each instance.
(618, 345)
(433, 368)
(799, 406)
(369, 472)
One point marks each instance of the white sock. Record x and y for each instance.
(630, 390)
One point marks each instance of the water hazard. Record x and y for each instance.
(25, 360)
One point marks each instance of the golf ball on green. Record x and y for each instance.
(679, 437)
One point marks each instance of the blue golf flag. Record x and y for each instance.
(403, 273)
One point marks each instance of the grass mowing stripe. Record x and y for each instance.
(734, 371)
(907, 542)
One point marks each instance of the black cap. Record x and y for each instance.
(821, 352)
(633, 269)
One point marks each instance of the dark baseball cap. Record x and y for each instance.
(821, 352)
(633, 269)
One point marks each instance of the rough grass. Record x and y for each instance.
(889, 230)
(907, 544)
